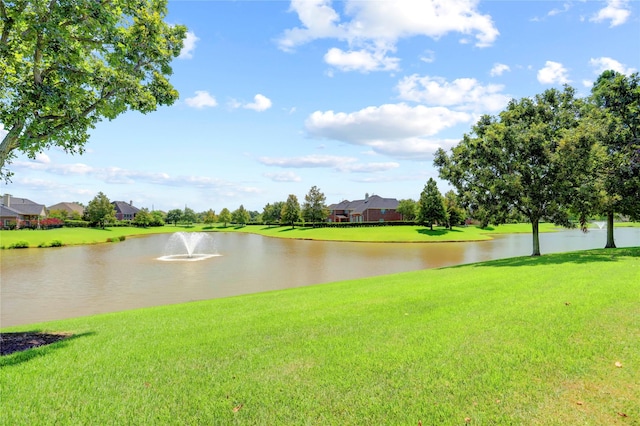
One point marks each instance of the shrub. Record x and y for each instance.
(56, 243)
(19, 244)
(122, 237)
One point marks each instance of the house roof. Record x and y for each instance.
(359, 206)
(8, 211)
(24, 206)
(68, 207)
(125, 208)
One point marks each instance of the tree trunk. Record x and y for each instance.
(9, 143)
(610, 242)
(535, 226)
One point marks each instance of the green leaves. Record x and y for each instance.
(66, 65)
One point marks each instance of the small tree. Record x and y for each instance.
(241, 216)
(224, 216)
(430, 207)
(291, 211)
(100, 211)
(189, 216)
(314, 208)
(174, 216)
(455, 213)
(408, 209)
(157, 218)
(209, 217)
(143, 218)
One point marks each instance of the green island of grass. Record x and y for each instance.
(548, 340)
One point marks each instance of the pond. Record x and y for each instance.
(48, 284)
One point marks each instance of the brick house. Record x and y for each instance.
(371, 209)
(124, 210)
(21, 212)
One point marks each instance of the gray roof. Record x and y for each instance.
(125, 208)
(8, 211)
(359, 206)
(25, 206)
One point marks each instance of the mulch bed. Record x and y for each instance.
(16, 342)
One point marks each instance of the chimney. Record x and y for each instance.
(130, 202)
(6, 200)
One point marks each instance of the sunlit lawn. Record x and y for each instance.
(75, 236)
(548, 341)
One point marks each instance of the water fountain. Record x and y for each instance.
(600, 224)
(189, 246)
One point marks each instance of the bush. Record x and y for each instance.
(19, 245)
(56, 243)
(76, 223)
(122, 237)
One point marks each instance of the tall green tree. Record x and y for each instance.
(617, 176)
(174, 216)
(314, 208)
(66, 65)
(430, 206)
(291, 211)
(224, 216)
(241, 216)
(189, 216)
(408, 209)
(516, 161)
(100, 211)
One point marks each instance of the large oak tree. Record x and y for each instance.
(616, 123)
(67, 64)
(519, 161)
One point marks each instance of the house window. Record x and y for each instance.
(383, 211)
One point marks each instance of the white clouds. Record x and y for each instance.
(360, 60)
(397, 130)
(202, 99)
(616, 11)
(499, 69)
(283, 177)
(260, 103)
(371, 29)
(553, 73)
(189, 45)
(308, 161)
(466, 94)
(338, 163)
(604, 63)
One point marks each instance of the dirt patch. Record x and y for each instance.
(16, 342)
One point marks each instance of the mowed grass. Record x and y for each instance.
(77, 236)
(419, 234)
(552, 340)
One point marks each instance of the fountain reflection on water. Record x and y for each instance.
(190, 247)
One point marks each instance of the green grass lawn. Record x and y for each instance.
(75, 236)
(552, 340)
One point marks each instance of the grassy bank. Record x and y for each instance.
(551, 340)
(75, 236)
(419, 234)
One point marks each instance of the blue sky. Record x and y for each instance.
(353, 97)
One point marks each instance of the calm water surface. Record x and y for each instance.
(48, 284)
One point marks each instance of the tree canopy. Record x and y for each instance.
(615, 122)
(100, 211)
(66, 65)
(519, 161)
(430, 205)
(291, 210)
(314, 208)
